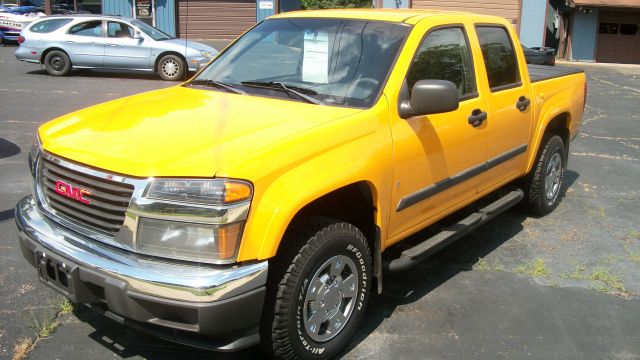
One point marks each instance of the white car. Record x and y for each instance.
(62, 43)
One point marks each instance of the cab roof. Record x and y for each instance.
(409, 16)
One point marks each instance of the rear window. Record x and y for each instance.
(499, 57)
(48, 26)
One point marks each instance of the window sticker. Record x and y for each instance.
(315, 64)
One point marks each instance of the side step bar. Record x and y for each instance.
(411, 257)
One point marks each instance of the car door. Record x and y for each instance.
(85, 44)
(122, 51)
(437, 156)
(510, 110)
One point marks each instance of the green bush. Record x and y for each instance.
(335, 4)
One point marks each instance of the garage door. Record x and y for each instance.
(619, 37)
(215, 19)
(505, 8)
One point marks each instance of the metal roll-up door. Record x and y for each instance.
(505, 8)
(215, 19)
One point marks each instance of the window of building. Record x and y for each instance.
(89, 28)
(608, 28)
(499, 57)
(444, 55)
(628, 29)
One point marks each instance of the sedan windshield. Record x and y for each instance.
(320, 61)
(152, 32)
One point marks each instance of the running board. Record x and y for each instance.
(411, 257)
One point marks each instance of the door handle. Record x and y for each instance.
(523, 103)
(69, 42)
(113, 45)
(477, 117)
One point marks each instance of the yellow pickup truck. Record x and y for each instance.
(260, 201)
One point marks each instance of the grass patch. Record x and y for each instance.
(576, 274)
(634, 234)
(608, 282)
(47, 328)
(65, 307)
(536, 268)
(484, 265)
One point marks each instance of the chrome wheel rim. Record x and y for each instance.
(330, 298)
(57, 63)
(170, 67)
(553, 176)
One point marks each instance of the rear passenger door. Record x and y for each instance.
(436, 156)
(85, 43)
(510, 111)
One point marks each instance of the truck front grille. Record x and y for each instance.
(103, 209)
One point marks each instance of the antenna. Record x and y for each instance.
(186, 38)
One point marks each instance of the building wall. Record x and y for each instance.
(166, 16)
(505, 8)
(395, 4)
(532, 18)
(117, 7)
(583, 36)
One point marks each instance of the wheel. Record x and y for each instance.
(57, 63)
(171, 68)
(317, 292)
(543, 185)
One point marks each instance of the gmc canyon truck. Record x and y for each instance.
(260, 201)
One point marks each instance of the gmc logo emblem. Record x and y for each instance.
(75, 193)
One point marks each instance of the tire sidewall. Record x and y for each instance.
(554, 145)
(49, 68)
(340, 244)
(181, 71)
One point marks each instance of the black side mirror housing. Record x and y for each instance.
(430, 97)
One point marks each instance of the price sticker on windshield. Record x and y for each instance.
(315, 64)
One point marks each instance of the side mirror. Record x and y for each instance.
(137, 35)
(430, 97)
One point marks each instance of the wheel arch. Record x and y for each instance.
(558, 122)
(54, 48)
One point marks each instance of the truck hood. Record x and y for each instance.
(179, 131)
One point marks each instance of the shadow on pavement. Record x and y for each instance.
(113, 74)
(6, 215)
(8, 149)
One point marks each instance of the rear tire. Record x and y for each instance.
(317, 291)
(171, 68)
(57, 63)
(544, 184)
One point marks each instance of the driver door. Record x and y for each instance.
(122, 51)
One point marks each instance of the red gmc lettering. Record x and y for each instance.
(71, 192)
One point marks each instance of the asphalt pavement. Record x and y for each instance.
(564, 286)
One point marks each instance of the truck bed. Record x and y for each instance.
(543, 72)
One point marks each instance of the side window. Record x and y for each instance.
(444, 55)
(119, 30)
(89, 28)
(499, 56)
(48, 25)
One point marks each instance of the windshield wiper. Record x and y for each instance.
(216, 84)
(297, 90)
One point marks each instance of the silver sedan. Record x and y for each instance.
(62, 43)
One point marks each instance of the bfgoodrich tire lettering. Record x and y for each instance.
(315, 246)
(543, 185)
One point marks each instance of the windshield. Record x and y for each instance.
(153, 33)
(335, 61)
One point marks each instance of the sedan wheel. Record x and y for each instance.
(57, 63)
(171, 68)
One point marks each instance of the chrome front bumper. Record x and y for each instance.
(207, 299)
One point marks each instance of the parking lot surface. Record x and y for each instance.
(564, 286)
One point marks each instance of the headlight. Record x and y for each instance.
(189, 241)
(206, 192)
(34, 153)
(206, 54)
(194, 219)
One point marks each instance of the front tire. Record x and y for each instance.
(171, 68)
(543, 185)
(57, 63)
(317, 292)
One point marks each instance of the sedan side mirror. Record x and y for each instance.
(430, 97)
(138, 35)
